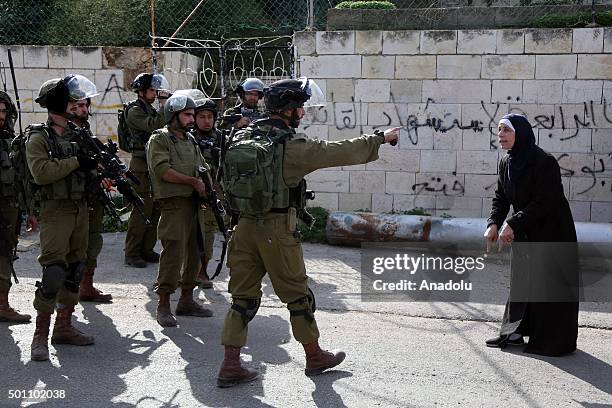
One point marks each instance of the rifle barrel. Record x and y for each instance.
(17, 100)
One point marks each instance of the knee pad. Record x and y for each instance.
(313, 301)
(246, 307)
(53, 277)
(74, 276)
(305, 306)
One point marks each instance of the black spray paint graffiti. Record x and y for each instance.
(437, 185)
(591, 172)
(349, 118)
(541, 121)
(590, 121)
(112, 86)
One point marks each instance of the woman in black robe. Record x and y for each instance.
(530, 181)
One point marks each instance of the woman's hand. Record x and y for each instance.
(506, 236)
(490, 235)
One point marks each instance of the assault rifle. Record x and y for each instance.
(232, 118)
(216, 205)
(13, 257)
(252, 114)
(303, 214)
(215, 149)
(208, 145)
(112, 168)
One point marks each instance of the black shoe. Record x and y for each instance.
(513, 339)
(151, 256)
(135, 261)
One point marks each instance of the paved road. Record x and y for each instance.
(400, 354)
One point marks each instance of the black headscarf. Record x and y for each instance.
(522, 151)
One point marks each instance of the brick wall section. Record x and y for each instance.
(447, 89)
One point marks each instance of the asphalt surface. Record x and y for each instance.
(399, 354)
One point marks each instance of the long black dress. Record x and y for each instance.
(541, 214)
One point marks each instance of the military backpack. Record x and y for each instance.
(252, 171)
(28, 191)
(124, 134)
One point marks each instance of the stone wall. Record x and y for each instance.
(445, 88)
(111, 69)
(448, 89)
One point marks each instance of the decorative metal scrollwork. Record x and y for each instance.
(217, 66)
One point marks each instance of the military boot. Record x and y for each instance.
(188, 307)
(205, 282)
(8, 314)
(87, 291)
(232, 372)
(40, 342)
(135, 261)
(65, 333)
(165, 318)
(150, 256)
(318, 360)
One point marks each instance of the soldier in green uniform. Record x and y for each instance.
(9, 210)
(263, 178)
(61, 170)
(142, 119)
(211, 141)
(250, 92)
(87, 292)
(173, 158)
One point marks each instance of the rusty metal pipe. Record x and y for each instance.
(353, 228)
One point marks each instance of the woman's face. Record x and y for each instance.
(506, 136)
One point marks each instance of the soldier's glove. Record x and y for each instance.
(87, 163)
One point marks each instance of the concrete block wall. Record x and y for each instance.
(111, 69)
(447, 90)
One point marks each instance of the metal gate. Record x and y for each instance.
(216, 67)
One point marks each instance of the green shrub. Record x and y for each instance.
(414, 211)
(374, 4)
(603, 18)
(316, 234)
(110, 225)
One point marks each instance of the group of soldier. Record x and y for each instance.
(253, 160)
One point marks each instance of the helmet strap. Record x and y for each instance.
(294, 122)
